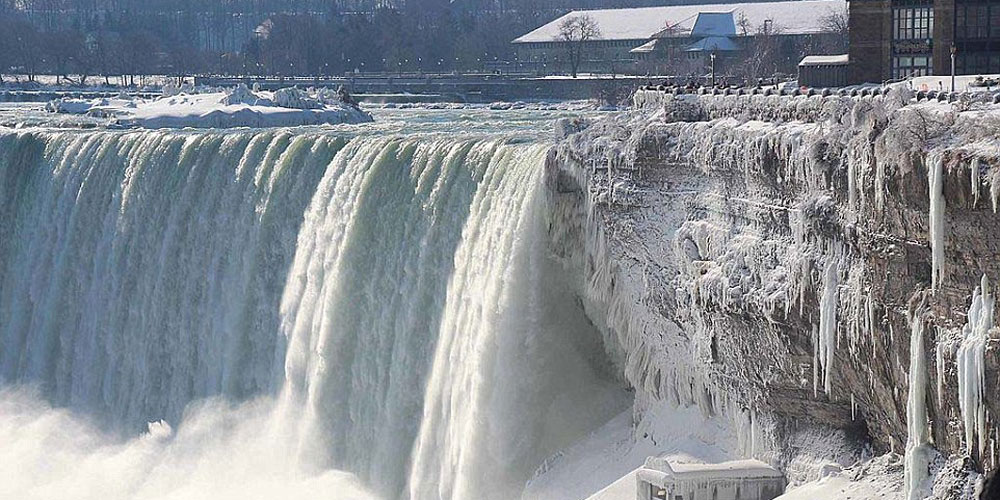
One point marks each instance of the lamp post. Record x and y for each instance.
(953, 51)
(712, 56)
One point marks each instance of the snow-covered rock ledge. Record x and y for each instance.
(811, 277)
(239, 107)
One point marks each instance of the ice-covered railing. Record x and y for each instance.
(803, 101)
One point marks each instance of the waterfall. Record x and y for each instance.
(380, 305)
(141, 271)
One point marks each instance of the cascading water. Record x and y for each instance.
(383, 305)
(140, 270)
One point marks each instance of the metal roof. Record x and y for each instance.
(712, 43)
(835, 60)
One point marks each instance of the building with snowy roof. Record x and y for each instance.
(823, 71)
(679, 39)
(661, 479)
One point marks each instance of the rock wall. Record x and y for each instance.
(768, 257)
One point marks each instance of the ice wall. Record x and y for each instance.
(772, 245)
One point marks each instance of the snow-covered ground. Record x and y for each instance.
(603, 466)
(963, 83)
(878, 478)
(239, 107)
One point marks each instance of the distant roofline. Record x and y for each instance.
(825, 60)
(710, 8)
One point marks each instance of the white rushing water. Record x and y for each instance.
(295, 311)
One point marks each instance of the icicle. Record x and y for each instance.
(815, 361)
(974, 173)
(935, 174)
(828, 321)
(879, 185)
(852, 184)
(993, 449)
(870, 310)
(918, 450)
(994, 187)
(971, 366)
(939, 369)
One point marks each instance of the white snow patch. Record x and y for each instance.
(603, 465)
(240, 107)
(877, 478)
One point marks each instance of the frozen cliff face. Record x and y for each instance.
(764, 257)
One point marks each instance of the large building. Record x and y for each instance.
(893, 39)
(685, 39)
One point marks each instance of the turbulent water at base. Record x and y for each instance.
(353, 313)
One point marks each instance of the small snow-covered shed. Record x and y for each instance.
(823, 71)
(660, 479)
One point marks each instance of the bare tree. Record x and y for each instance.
(835, 21)
(764, 54)
(744, 23)
(63, 51)
(835, 26)
(575, 32)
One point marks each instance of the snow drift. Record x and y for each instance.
(239, 107)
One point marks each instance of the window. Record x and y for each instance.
(995, 21)
(973, 20)
(977, 63)
(912, 23)
(904, 66)
(657, 493)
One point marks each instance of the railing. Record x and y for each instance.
(931, 95)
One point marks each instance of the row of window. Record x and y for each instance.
(977, 62)
(977, 21)
(912, 23)
(907, 66)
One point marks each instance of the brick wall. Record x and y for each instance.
(870, 40)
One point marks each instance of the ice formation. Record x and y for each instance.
(827, 333)
(796, 218)
(936, 225)
(919, 450)
(972, 370)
